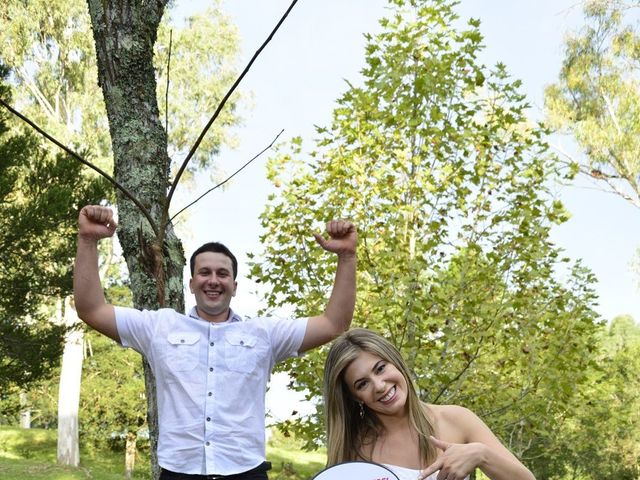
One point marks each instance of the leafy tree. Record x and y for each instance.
(53, 60)
(50, 52)
(448, 182)
(37, 190)
(597, 96)
(599, 436)
(202, 67)
(596, 101)
(48, 46)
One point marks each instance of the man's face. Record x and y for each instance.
(213, 285)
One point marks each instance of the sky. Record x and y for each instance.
(297, 78)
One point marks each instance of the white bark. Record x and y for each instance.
(69, 395)
(130, 455)
(25, 411)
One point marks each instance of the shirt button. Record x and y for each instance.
(208, 443)
(211, 369)
(208, 419)
(211, 344)
(241, 342)
(210, 393)
(182, 340)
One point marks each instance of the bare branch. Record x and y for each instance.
(459, 375)
(83, 161)
(229, 177)
(37, 93)
(166, 94)
(600, 176)
(222, 104)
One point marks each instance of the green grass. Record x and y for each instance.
(291, 464)
(31, 454)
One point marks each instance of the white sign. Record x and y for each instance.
(356, 471)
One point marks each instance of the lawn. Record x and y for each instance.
(31, 454)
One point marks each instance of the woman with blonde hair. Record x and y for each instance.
(373, 414)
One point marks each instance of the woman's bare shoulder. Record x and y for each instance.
(449, 412)
(451, 422)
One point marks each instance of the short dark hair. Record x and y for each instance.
(214, 247)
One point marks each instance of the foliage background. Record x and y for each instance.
(467, 257)
(452, 188)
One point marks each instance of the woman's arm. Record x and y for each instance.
(481, 449)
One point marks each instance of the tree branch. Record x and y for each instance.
(611, 111)
(601, 176)
(229, 177)
(84, 162)
(465, 368)
(166, 94)
(37, 93)
(195, 146)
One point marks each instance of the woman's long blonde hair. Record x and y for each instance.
(347, 427)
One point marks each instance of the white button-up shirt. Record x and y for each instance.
(211, 380)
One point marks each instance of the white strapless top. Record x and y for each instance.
(404, 473)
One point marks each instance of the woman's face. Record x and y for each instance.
(377, 383)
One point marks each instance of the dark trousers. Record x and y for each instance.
(258, 473)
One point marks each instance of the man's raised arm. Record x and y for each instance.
(342, 241)
(94, 223)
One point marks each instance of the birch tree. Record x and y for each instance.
(597, 97)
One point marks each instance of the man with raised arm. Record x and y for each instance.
(211, 366)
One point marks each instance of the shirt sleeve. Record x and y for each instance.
(286, 335)
(135, 328)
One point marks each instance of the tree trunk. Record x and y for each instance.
(130, 455)
(25, 411)
(69, 391)
(71, 381)
(125, 33)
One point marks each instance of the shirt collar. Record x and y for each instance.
(233, 316)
